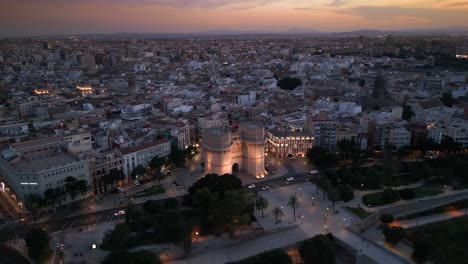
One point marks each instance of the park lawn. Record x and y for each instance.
(428, 190)
(377, 199)
(157, 189)
(456, 206)
(448, 243)
(361, 213)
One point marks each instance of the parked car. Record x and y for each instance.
(314, 171)
(120, 212)
(251, 186)
(290, 179)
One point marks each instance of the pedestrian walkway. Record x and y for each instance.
(247, 248)
(316, 217)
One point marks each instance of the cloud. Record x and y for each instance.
(209, 4)
(337, 3)
(436, 16)
(457, 4)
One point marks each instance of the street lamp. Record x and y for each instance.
(302, 218)
(344, 219)
(313, 201)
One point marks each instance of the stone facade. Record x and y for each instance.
(229, 151)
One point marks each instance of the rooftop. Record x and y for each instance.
(129, 150)
(41, 162)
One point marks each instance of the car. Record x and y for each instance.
(290, 179)
(136, 183)
(251, 186)
(314, 171)
(120, 212)
(307, 179)
(179, 187)
(266, 187)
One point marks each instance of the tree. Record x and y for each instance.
(116, 239)
(82, 187)
(348, 149)
(393, 234)
(156, 163)
(447, 99)
(49, 196)
(278, 213)
(232, 209)
(407, 193)
(113, 176)
(322, 158)
(171, 203)
(216, 184)
(177, 156)
(325, 184)
(205, 200)
(136, 218)
(33, 202)
(261, 204)
(346, 192)
(293, 202)
(334, 196)
(288, 83)
(138, 257)
(319, 249)
(389, 196)
(71, 187)
(422, 247)
(37, 241)
(386, 218)
(448, 144)
(190, 152)
(138, 171)
(407, 112)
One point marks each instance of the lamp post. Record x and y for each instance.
(302, 219)
(313, 201)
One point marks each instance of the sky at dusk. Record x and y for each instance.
(37, 17)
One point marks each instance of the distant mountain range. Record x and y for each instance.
(290, 32)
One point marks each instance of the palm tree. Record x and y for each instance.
(334, 196)
(293, 202)
(261, 204)
(278, 212)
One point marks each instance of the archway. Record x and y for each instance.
(235, 168)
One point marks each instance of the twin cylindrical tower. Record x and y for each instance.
(227, 151)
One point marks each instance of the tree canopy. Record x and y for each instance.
(321, 157)
(216, 184)
(319, 249)
(138, 257)
(37, 241)
(288, 83)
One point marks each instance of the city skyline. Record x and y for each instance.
(26, 17)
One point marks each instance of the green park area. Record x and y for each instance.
(442, 242)
(157, 189)
(389, 195)
(460, 206)
(360, 212)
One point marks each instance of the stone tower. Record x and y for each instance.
(229, 151)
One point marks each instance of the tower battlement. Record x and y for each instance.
(229, 151)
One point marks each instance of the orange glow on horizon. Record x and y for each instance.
(104, 16)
